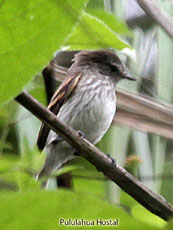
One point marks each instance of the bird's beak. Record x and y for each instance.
(128, 76)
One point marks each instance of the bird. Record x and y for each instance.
(86, 101)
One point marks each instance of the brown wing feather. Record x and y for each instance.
(59, 97)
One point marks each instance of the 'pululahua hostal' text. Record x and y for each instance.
(83, 222)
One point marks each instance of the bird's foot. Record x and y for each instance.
(81, 134)
(113, 163)
(112, 159)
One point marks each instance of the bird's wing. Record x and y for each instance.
(59, 97)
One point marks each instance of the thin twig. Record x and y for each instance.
(158, 15)
(150, 200)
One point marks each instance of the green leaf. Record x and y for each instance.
(21, 172)
(27, 183)
(8, 163)
(115, 24)
(127, 201)
(147, 217)
(87, 179)
(43, 210)
(30, 32)
(170, 225)
(66, 169)
(32, 158)
(92, 33)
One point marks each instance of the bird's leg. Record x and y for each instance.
(76, 154)
(57, 140)
(81, 134)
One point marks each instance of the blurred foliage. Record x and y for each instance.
(167, 181)
(144, 215)
(30, 35)
(90, 34)
(132, 164)
(114, 23)
(29, 32)
(43, 210)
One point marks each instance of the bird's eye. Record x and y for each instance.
(113, 68)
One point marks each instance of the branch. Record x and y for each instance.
(143, 113)
(158, 15)
(150, 200)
